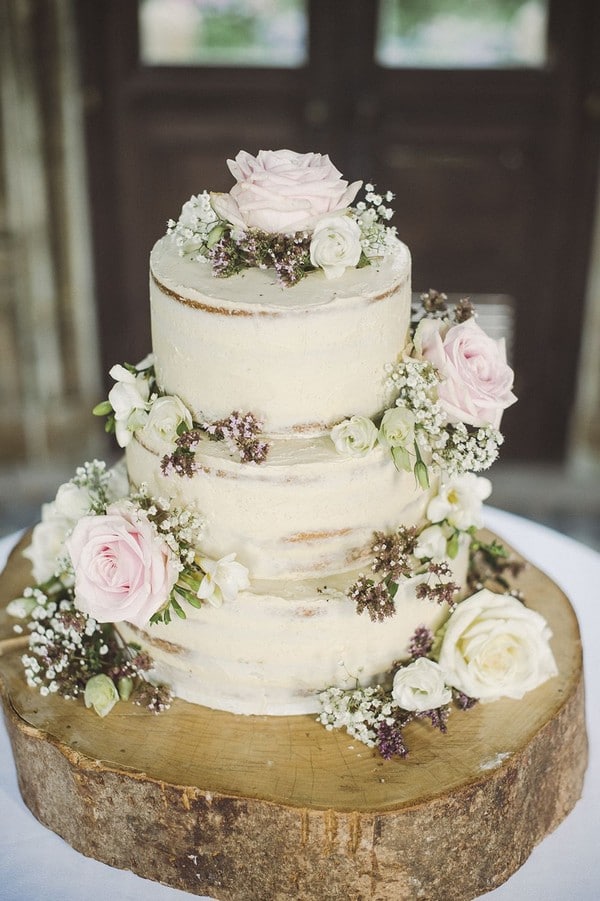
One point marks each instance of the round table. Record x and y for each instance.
(37, 864)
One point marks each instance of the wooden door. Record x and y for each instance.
(494, 169)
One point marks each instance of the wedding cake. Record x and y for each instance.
(295, 526)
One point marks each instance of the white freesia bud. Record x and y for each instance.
(495, 647)
(165, 416)
(421, 686)
(459, 501)
(431, 544)
(354, 437)
(222, 580)
(335, 245)
(101, 694)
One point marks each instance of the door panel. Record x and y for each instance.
(494, 169)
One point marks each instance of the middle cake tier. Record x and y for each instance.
(305, 511)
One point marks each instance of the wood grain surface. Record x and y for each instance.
(247, 808)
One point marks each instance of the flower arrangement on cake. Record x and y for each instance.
(109, 553)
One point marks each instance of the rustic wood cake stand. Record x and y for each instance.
(268, 808)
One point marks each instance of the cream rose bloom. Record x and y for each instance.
(476, 379)
(421, 686)
(165, 416)
(494, 647)
(123, 569)
(282, 192)
(335, 245)
(354, 437)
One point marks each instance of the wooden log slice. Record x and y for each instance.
(247, 808)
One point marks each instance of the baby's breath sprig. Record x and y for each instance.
(67, 649)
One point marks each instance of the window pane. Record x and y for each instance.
(462, 33)
(223, 32)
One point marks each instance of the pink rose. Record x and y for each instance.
(282, 192)
(123, 569)
(476, 379)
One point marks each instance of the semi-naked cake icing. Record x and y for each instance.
(295, 529)
(305, 358)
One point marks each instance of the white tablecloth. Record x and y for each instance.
(36, 865)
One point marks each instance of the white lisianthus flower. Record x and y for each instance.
(165, 416)
(397, 427)
(354, 437)
(421, 686)
(495, 647)
(335, 245)
(459, 501)
(431, 544)
(101, 694)
(223, 580)
(129, 400)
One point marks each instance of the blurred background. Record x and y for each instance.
(482, 116)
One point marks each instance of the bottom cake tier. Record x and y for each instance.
(257, 808)
(273, 649)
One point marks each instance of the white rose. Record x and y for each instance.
(397, 427)
(223, 580)
(459, 501)
(354, 437)
(335, 245)
(431, 544)
(421, 686)
(165, 416)
(494, 647)
(129, 400)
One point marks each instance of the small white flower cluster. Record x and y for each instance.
(372, 215)
(360, 712)
(466, 451)
(452, 447)
(180, 529)
(191, 231)
(50, 632)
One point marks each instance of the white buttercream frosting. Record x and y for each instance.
(276, 646)
(300, 358)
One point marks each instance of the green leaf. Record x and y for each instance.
(215, 235)
(392, 588)
(102, 409)
(178, 608)
(452, 545)
(401, 459)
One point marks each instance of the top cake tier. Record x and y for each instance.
(301, 358)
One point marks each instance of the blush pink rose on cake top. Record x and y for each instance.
(108, 555)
